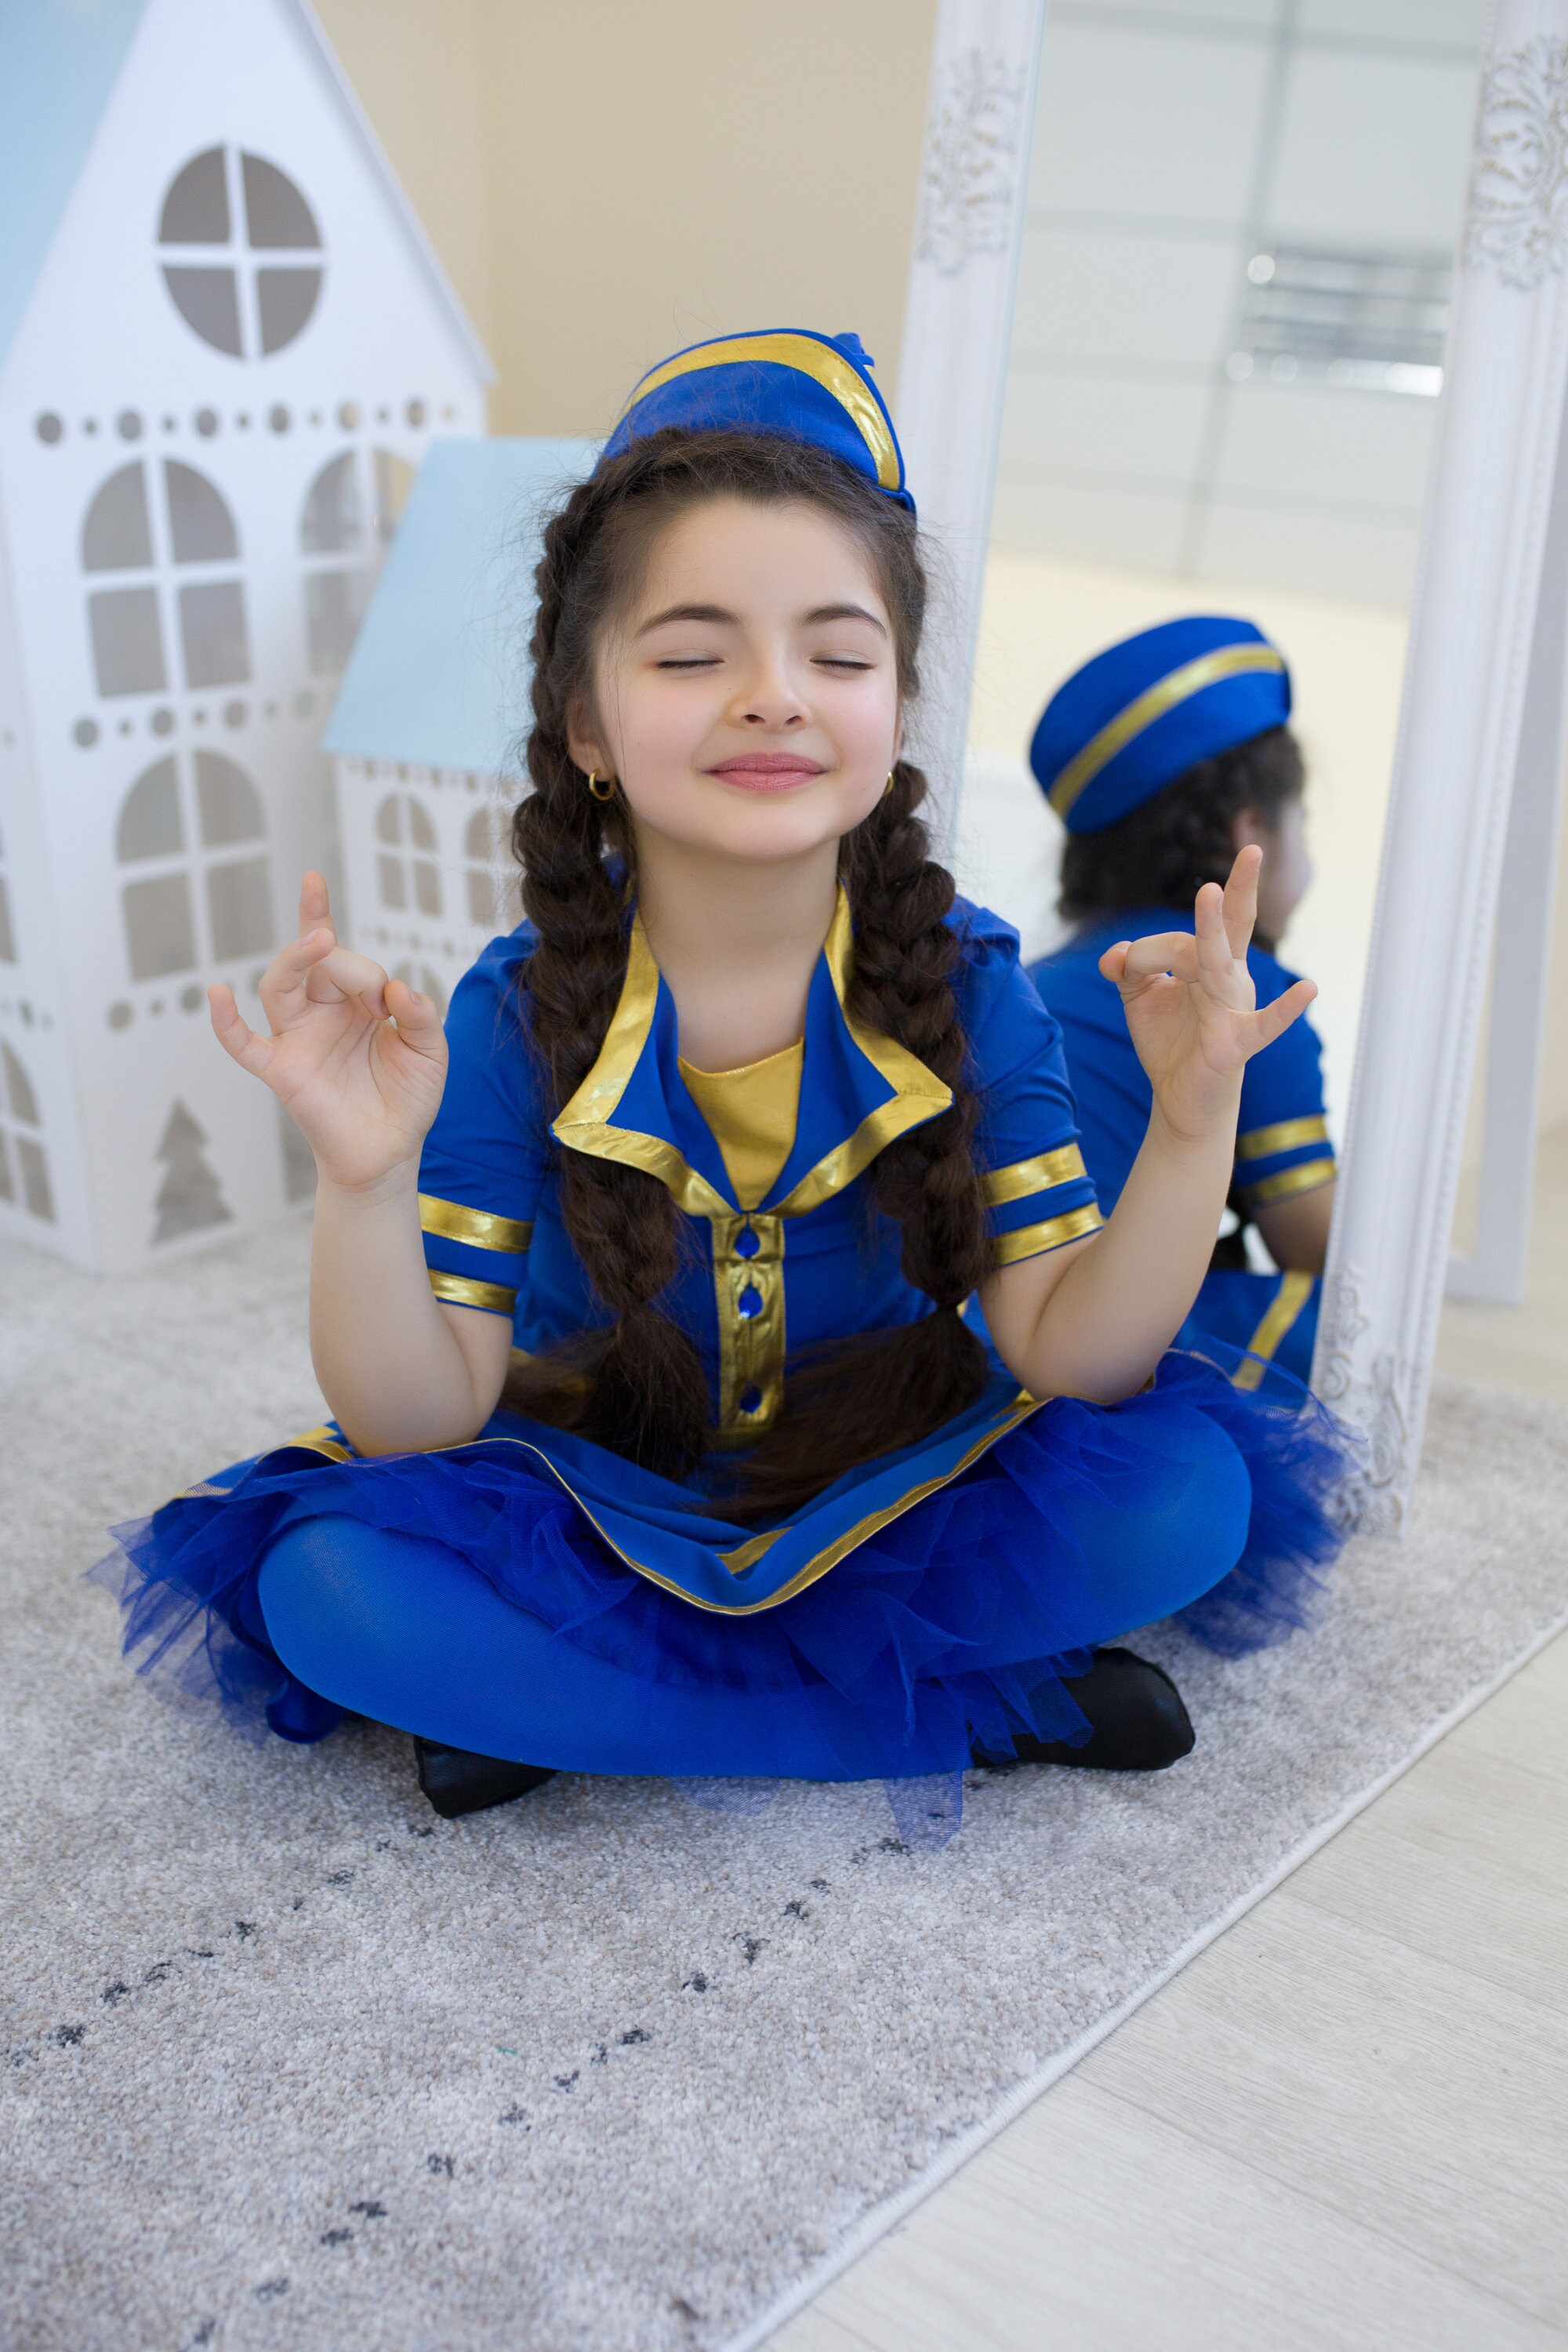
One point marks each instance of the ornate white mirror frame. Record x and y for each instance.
(1476, 782)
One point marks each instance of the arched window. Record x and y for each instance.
(8, 936)
(409, 876)
(485, 843)
(202, 892)
(351, 510)
(421, 977)
(232, 301)
(19, 1133)
(134, 527)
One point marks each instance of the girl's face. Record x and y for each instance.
(1286, 862)
(747, 700)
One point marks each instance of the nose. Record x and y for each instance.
(769, 697)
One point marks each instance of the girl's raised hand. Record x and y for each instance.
(358, 1060)
(1191, 1007)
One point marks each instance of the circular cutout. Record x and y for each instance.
(162, 722)
(128, 424)
(278, 418)
(49, 428)
(84, 732)
(304, 703)
(245, 276)
(417, 412)
(119, 1015)
(235, 713)
(207, 422)
(191, 997)
(348, 415)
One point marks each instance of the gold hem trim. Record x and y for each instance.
(826, 366)
(1033, 1241)
(1225, 661)
(1286, 1134)
(1284, 1311)
(475, 1228)
(319, 1442)
(1040, 1175)
(462, 1290)
(1308, 1177)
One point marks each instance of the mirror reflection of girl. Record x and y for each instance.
(1166, 756)
(661, 1442)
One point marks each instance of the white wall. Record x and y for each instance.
(1174, 143)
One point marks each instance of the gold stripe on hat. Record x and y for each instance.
(1228, 661)
(828, 366)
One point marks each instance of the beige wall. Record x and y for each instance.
(606, 180)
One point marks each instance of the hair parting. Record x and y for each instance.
(638, 1387)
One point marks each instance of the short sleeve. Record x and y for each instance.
(1039, 1195)
(485, 1158)
(1282, 1145)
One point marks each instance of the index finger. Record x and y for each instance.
(315, 905)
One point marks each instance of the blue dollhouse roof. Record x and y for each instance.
(439, 675)
(59, 61)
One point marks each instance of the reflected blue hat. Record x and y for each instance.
(786, 382)
(1139, 715)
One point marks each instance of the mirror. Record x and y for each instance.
(1241, 218)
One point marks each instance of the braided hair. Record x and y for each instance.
(638, 1387)
(1161, 853)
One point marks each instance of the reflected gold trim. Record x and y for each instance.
(1047, 1169)
(1283, 1311)
(1033, 1241)
(1179, 686)
(475, 1228)
(461, 1290)
(1307, 1178)
(1286, 1134)
(826, 366)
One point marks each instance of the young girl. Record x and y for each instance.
(1165, 756)
(661, 1442)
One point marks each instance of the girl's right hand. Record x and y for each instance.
(358, 1061)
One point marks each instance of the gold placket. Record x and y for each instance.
(751, 1335)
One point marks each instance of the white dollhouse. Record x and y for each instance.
(428, 726)
(225, 347)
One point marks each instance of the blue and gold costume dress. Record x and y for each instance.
(1124, 727)
(531, 1594)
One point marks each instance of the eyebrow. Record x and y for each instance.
(718, 614)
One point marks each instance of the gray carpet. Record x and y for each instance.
(291, 2063)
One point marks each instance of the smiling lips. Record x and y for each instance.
(767, 771)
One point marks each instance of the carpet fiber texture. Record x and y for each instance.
(292, 2063)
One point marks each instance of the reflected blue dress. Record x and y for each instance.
(531, 1594)
(1282, 1145)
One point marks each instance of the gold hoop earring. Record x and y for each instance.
(609, 784)
(888, 787)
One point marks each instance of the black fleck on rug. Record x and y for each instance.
(291, 2063)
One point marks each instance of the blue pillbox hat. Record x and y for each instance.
(1140, 714)
(786, 382)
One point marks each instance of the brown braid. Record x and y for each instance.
(639, 1388)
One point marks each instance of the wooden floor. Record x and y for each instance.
(1345, 2125)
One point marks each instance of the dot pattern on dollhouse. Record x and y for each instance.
(225, 348)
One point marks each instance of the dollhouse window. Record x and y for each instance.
(405, 867)
(234, 302)
(351, 510)
(24, 1170)
(183, 523)
(202, 895)
(485, 842)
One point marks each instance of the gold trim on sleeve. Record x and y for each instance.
(475, 1228)
(1033, 1241)
(826, 366)
(1047, 1169)
(461, 1290)
(1227, 661)
(1307, 1178)
(1284, 1309)
(1286, 1134)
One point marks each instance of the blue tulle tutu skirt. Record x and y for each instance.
(470, 1587)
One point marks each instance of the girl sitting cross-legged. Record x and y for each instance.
(662, 1441)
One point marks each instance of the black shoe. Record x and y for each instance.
(1138, 1723)
(457, 1781)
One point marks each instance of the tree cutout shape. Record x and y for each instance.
(190, 1196)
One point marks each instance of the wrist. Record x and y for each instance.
(393, 1186)
(1197, 1130)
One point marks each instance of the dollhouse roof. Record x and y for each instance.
(59, 61)
(438, 676)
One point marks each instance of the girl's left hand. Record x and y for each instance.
(1191, 1007)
